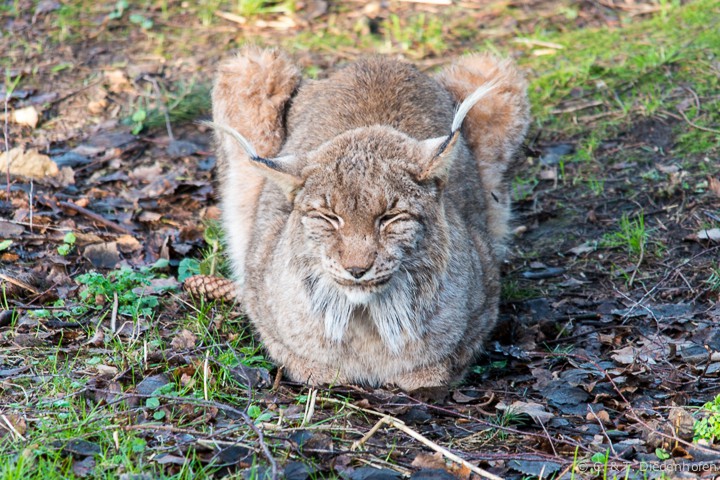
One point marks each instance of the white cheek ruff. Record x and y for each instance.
(358, 296)
(392, 311)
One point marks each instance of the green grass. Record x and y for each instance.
(633, 70)
(631, 237)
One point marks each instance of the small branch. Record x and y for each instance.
(369, 434)
(114, 314)
(12, 428)
(19, 283)
(400, 425)
(690, 122)
(602, 427)
(206, 374)
(637, 267)
(94, 216)
(309, 407)
(166, 112)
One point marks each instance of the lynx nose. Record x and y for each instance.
(357, 272)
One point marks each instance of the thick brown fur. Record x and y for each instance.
(494, 128)
(372, 254)
(250, 95)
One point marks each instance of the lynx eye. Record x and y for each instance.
(391, 217)
(329, 217)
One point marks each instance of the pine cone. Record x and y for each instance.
(211, 288)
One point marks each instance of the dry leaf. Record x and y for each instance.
(185, 340)
(128, 244)
(603, 415)
(118, 81)
(16, 421)
(534, 410)
(31, 164)
(714, 185)
(712, 234)
(27, 116)
(429, 460)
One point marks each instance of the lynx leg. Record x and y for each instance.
(494, 128)
(430, 376)
(250, 95)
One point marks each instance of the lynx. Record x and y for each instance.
(365, 215)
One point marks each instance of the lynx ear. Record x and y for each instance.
(283, 171)
(440, 150)
(439, 153)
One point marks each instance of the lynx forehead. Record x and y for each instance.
(366, 213)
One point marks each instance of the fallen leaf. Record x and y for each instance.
(584, 248)
(17, 422)
(429, 460)
(535, 468)
(81, 448)
(102, 255)
(150, 384)
(185, 340)
(27, 116)
(118, 82)
(31, 164)
(83, 468)
(714, 185)
(712, 234)
(128, 244)
(534, 410)
(603, 415)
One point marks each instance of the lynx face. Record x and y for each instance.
(364, 212)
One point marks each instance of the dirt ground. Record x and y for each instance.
(608, 345)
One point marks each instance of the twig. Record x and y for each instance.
(278, 378)
(30, 195)
(12, 428)
(75, 92)
(369, 434)
(309, 407)
(114, 314)
(695, 125)
(637, 267)
(94, 216)
(231, 17)
(206, 374)
(19, 283)
(602, 427)
(577, 106)
(400, 425)
(9, 89)
(156, 88)
(552, 445)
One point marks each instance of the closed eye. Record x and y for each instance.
(391, 217)
(334, 220)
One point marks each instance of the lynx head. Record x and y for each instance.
(370, 203)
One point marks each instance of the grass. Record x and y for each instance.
(631, 236)
(627, 68)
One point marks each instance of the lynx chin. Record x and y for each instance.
(366, 214)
